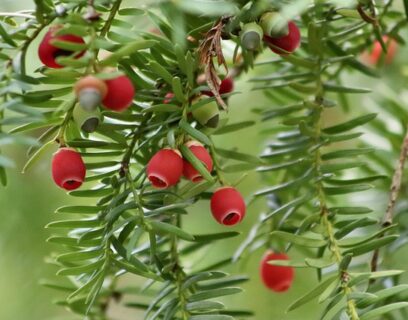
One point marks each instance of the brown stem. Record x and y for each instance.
(394, 192)
(365, 16)
(374, 262)
(396, 181)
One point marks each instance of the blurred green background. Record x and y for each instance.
(29, 201)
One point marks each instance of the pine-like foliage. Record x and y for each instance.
(308, 207)
(127, 243)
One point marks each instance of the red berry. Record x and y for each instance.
(377, 52)
(120, 93)
(288, 43)
(276, 278)
(202, 154)
(168, 98)
(68, 169)
(165, 168)
(227, 206)
(48, 53)
(226, 86)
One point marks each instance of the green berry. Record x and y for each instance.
(274, 25)
(87, 121)
(207, 115)
(251, 36)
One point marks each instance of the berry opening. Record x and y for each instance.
(158, 182)
(197, 178)
(282, 287)
(71, 184)
(231, 218)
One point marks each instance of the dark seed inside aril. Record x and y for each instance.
(62, 53)
(213, 122)
(90, 125)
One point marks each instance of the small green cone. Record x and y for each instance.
(87, 121)
(89, 98)
(251, 36)
(274, 25)
(207, 115)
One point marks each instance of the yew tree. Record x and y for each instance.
(126, 106)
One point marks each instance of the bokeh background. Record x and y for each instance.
(28, 203)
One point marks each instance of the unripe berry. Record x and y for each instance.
(276, 278)
(285, 44)
(207, 115)
(165, 168)
(120, 93)
(90, 91)
(48, 53)
(375, 56)
(87, 121)
(68, 169)
(251, 36)
(274, 25)
(226, 86)
(202, 154)
(168, 98)
(227, 206)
